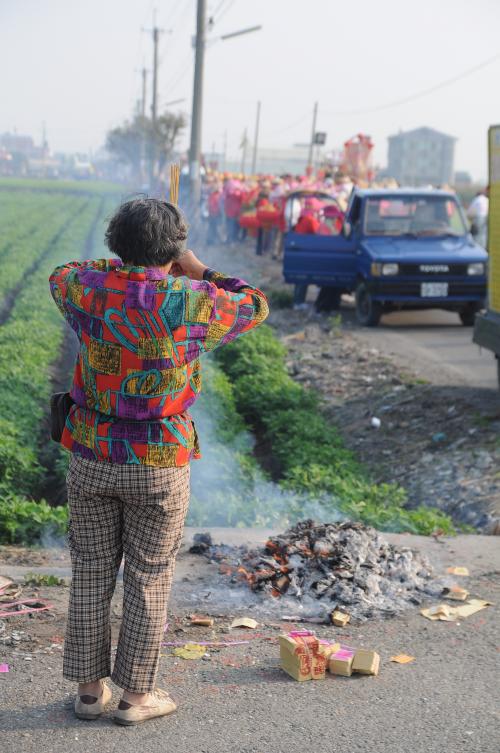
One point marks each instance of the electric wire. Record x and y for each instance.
(418, 95)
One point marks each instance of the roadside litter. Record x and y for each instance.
(210, 644)
(456, 593)
(190, 651)
(457, 570)
(200, 621)
(305, 657)
(449, 614)
(402, 659)
(16, 608)
(244, 622)
(340, 619)
(8, 589)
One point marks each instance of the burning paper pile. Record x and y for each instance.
(323, 566)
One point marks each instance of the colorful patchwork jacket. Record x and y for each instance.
(141, 333)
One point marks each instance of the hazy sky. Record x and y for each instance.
(75, 65)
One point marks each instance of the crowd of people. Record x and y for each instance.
(264, 207)
(237, 206)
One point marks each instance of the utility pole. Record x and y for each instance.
(256, 141)
(154, 113)
(154, 108)
(196, 114)
(144, 74)
(155, 32)
(244, 151)
(224, 149)
(313, 134)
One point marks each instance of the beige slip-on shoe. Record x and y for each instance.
(89, 707)
(159, 704)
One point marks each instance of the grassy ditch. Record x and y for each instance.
(301, 450)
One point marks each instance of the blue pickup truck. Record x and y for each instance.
(397, 249)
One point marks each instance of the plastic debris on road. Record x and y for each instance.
(4, 667)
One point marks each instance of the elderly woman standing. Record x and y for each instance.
(143, 320)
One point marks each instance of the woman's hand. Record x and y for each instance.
(188, 264)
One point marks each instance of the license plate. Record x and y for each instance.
(434, 289)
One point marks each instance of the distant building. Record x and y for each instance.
(15, 142)
(462, 178)
(277, 161)
(421, 157)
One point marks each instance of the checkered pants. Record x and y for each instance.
(115, 510)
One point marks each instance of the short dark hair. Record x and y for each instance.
(147, 232)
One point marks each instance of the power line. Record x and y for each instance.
(225, 10)
(419, 94)
(180, 73)
(214, 13)
(290, 125)
(180, 23)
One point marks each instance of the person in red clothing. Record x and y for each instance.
(308, 223)
(214, 214)
(232, 207)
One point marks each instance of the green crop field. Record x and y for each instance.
(40, 227)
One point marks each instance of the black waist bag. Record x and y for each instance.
(60, 404)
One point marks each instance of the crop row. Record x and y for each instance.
(30, 343)
(25, 246)
(16, 213)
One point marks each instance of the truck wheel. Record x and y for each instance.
(328, 299)
(368, 311)
(468, 315)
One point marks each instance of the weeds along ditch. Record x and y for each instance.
(31, 337)
(302, 452)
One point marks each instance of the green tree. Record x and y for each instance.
(137, 140)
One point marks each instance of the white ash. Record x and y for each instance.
(314, 568)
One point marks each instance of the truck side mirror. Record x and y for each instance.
(347, 229)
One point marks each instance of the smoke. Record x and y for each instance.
(228, 486)
(52, 540)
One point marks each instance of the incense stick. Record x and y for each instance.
(175, 172)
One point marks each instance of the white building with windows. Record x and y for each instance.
(421, 157)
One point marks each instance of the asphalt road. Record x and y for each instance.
(434, 344)
(239, 701)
